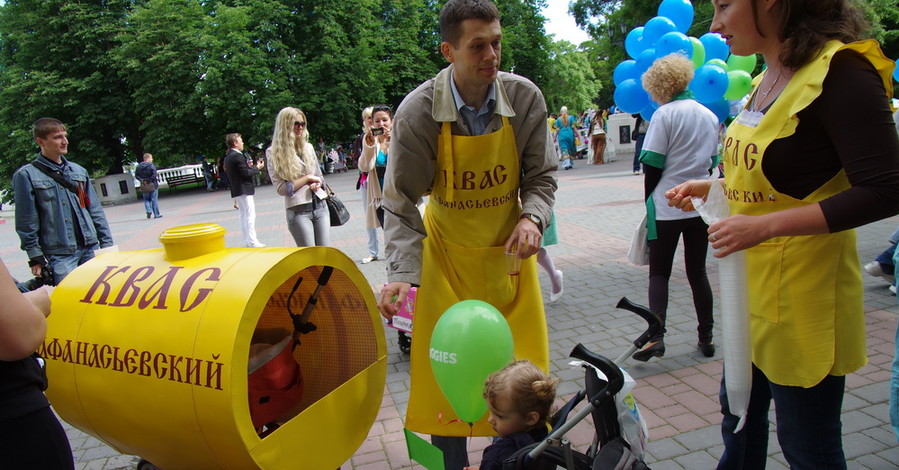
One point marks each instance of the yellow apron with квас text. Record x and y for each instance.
(472, 211)
(805, 292)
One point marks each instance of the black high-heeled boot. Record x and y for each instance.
(651, 350)
(707, 349)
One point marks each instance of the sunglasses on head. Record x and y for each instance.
(299, 123)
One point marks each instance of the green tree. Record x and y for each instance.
(158, 58)
(526, 47)
(573, 83)
(55, 61)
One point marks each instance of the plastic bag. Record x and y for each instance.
(638, 253)
(734, 310)
(633, 427)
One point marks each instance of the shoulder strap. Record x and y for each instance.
(79, 190)
(56, 175)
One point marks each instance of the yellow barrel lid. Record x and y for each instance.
(188, 241)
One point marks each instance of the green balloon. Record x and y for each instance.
(719, 63)
(739, 84)
(698, 53)
(740, 62)
(470, 341)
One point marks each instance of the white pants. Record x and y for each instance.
(246, 213)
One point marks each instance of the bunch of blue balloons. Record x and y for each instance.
(719, 78)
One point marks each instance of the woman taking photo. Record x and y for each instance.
(296, 175)
(681, 144)
(812, 155)
(375, 150)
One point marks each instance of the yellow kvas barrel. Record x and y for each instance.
(149, 351)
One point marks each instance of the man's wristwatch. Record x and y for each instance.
(536, 220)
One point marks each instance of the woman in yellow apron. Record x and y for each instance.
(813, 155)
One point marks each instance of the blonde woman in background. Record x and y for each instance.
(296, 175)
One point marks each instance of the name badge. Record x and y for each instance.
(750, 118)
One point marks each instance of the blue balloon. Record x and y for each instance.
(721, 108)
(674, 43)
(678, 11)
(648, 111)
(896, 72)
(625, 70)
(630, 96)
(634, 43)
(709, 84)
(715, 46)
(645, 61)
(656, 28)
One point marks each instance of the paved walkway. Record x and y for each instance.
(597, 210)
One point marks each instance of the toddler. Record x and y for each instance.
(519, 396)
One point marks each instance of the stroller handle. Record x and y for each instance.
(654, 324)
(614, 376)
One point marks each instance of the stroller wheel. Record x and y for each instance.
(405, 341)
(144, 464)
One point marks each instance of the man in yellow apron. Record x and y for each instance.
(475, 139)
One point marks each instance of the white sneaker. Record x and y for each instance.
(873, 268)
(893, 288)
(256, 245)
(368, 259)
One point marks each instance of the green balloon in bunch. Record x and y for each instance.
(698, 53)
(470, 341)
(719, 63)
(739, 84)
(740, 62)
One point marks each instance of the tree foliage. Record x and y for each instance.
(172, 77)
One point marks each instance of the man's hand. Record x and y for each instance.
(392, 297)
(260, 164)
(526, 237)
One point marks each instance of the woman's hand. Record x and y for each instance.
(738, 232)
(680, 195)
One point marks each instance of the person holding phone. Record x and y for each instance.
(375, 149)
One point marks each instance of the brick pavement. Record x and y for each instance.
(597, 209)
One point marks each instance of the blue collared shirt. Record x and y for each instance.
(475, 119)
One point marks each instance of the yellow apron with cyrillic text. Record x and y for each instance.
(472, 211)
(805, 292)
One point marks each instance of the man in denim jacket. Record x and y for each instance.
(59, 218)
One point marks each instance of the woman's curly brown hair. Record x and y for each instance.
(529, 388)
(668, 77)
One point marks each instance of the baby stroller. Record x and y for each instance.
(610, 450)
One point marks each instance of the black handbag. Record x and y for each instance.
(339, 213)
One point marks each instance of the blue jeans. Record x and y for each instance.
(310, 224)
(638, 147)
(62, 265)
(151, 203)
(371, 232)
(808, 425)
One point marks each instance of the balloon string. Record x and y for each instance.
(457, 420)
